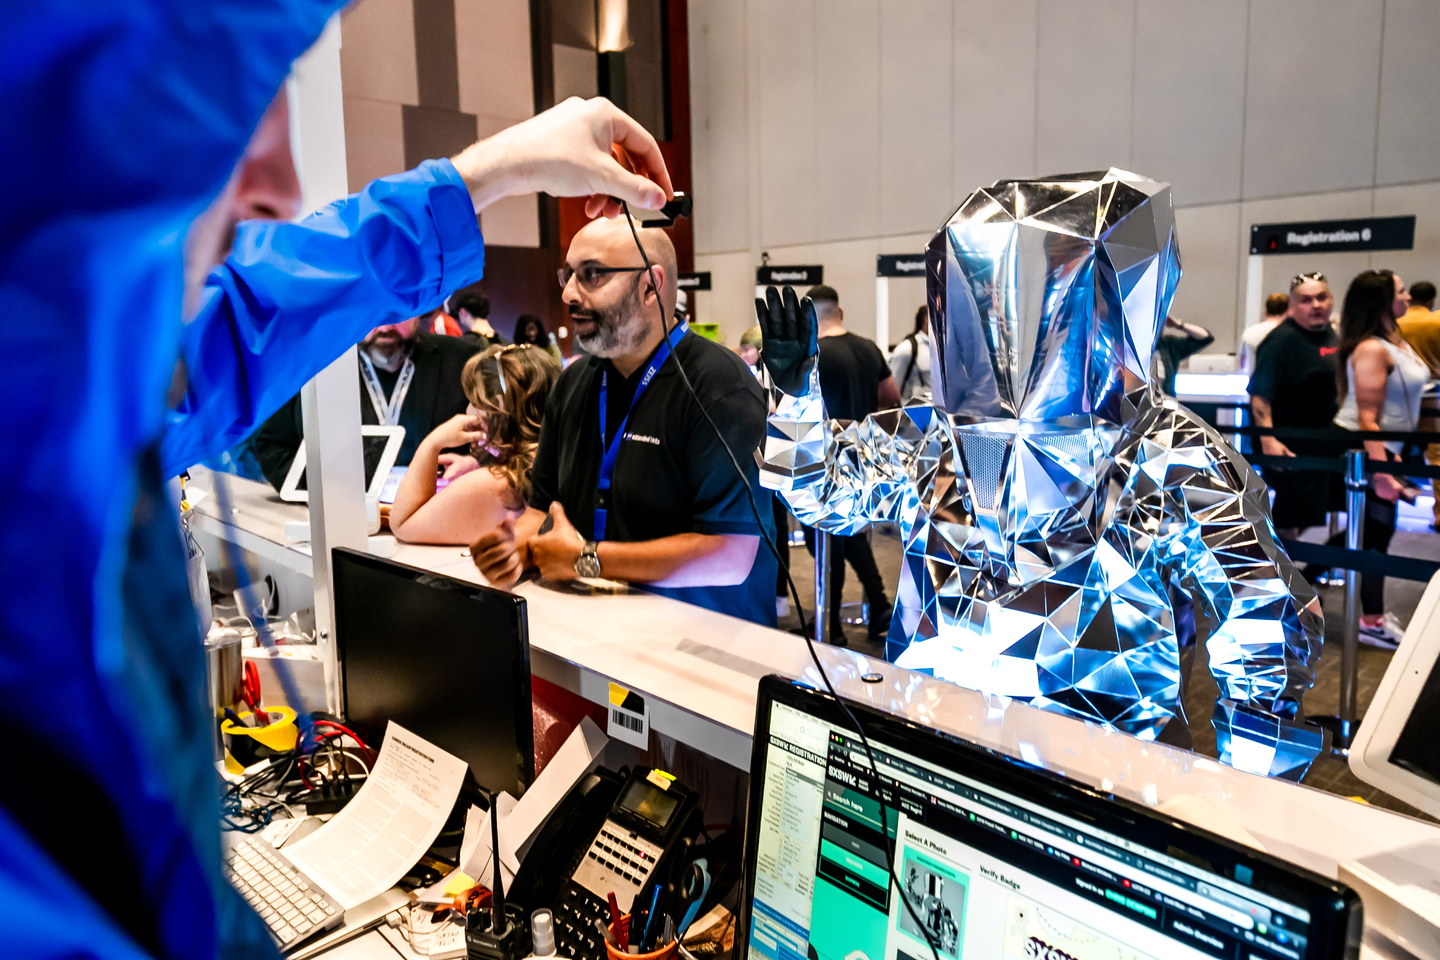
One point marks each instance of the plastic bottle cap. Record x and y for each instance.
(542, 932)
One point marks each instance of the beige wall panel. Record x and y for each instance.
(377, 51)
(492, 38)
(1085, 85)
(731, 301)
(994, 128)
(1190, 96)
(719, 126)
(916, 54)
(1311, 96)
(1209, 252)
(1409, 146)
(575, 72)
(847, 119)
(1422, 200)
(374, 140)
(512, 222)
(787, 121)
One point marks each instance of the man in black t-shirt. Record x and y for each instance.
(855, 381)
(676, 517)
(1293, 385)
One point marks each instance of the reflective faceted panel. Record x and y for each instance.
(1063, 520)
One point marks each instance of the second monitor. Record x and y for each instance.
(446, 659)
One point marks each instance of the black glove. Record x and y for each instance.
(791, 339)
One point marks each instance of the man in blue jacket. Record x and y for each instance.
(135, 146)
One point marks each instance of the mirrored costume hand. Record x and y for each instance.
(1062, 519)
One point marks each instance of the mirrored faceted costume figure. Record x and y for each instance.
(1062, 519)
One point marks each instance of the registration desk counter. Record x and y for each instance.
(699, 671)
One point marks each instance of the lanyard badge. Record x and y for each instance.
(612, 450)
(387, 412)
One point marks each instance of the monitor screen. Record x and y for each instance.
(1417, 749)
(446, 659)
(986, 871)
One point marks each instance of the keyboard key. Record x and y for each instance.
(302, 925)
(286, 933)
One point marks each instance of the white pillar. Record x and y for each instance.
(330, 403)
(1254, 291)
(882, 312)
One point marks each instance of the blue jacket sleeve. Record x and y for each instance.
(294, 296)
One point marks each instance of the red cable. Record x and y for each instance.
(348, 732)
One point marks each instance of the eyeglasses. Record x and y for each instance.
(1300, 278)
(590, 275)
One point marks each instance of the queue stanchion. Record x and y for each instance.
(1343, 724)
(822, 584)
(1355, 485)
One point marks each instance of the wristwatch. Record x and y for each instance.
(588, 563)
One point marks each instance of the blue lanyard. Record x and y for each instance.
(607, 460)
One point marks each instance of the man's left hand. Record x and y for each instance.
(555, 551)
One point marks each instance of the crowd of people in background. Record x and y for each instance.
(1329, 375)
(472, 403)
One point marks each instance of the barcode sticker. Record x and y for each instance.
(629, 719)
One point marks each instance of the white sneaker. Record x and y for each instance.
(1385, 635)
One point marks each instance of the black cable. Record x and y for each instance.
(809, 643)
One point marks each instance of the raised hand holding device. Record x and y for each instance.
(790, 338)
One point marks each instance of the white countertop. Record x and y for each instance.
(700, 671)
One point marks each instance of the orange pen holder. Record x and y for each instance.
(663, 953)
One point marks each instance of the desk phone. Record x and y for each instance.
(652, 814)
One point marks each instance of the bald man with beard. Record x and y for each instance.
(630, 481)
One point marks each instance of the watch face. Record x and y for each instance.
(588, 566)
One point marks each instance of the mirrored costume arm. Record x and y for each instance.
(291, 297)
(1187, 486)
(840, 476)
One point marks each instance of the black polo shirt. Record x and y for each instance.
(671, 474)
(1295, 372)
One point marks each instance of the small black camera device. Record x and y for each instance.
(666, 215)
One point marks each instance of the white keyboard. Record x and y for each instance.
(294, 907)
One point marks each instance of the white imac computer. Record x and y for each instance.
(1398, 750)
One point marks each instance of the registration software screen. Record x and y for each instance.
(985, 874)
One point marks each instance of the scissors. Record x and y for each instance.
(250, 693)
(694, 884)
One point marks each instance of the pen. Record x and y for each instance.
(622, 938)
(650, 912)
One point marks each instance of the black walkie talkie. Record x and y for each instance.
(494, 934)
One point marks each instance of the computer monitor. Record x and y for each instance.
(993, 858)
(445, 659)
(1397, 748)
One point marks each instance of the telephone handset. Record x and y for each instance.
(651, 816)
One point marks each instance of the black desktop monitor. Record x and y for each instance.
(993, 858)
(446, 659)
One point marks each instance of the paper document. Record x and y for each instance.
(521, 821)
(388, 825)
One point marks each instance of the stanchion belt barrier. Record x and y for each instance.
(1360, 561)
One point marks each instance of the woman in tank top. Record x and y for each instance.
(1380, 378)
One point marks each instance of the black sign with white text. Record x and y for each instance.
(765, 276)
(1334, 236)
(693, 281)
(900, 265)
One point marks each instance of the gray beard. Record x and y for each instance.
(386, 359)
(614, 336)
